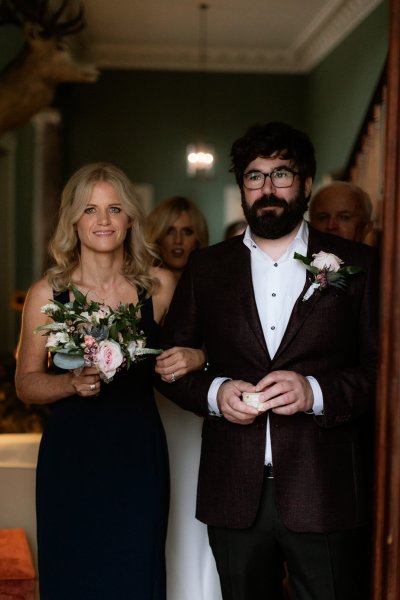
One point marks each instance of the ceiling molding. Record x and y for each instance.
(328, 33)
(118, 56)
(337, 21)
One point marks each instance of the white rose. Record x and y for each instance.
(109, 357)
(57, 339)
(49, 309)
(325, 260)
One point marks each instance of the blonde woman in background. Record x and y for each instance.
(178, 228)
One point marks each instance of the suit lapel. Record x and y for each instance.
(246, 301)
(302, 309)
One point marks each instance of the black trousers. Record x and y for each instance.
(251, 562)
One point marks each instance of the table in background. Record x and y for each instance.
(18, 458)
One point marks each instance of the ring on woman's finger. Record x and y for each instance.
(173, 378)
(92, 386)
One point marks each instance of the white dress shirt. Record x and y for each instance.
(277, 285)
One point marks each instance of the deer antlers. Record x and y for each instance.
(45, 15)
(27, 84)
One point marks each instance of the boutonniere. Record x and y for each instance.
(327, 271)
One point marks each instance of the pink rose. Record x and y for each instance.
(89, 341)
(109, 358)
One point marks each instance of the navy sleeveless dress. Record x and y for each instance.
(103, 489)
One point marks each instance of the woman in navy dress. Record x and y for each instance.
(102, 476)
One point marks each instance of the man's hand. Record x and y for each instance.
(230, 404)
(286, 392)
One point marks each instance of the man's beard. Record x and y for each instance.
(270, 225)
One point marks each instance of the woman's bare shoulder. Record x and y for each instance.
(41, 288)
(40, 292)
(164, 276)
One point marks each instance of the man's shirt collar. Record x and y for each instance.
(300, 241)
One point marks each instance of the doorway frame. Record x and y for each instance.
(386, 563)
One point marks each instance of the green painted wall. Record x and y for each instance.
(142, 121)
(10, 44)
(24, 185)
(340, 90)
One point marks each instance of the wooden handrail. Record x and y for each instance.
(365, 164)
(378, 98)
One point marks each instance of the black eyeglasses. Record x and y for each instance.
(281, 177)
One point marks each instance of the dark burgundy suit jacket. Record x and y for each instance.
(320, 464)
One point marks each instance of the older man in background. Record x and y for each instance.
(344, 209)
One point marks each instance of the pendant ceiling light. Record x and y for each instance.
(200, 155)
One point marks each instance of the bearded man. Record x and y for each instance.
(284, 483)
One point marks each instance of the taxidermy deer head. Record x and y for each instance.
(28, 83)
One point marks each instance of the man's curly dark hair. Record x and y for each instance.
(270, 140)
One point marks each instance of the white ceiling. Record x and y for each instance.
(286, 36)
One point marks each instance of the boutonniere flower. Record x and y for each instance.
(327, 271)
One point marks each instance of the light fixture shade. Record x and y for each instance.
(200, 160)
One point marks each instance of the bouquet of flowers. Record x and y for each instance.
(86, 333)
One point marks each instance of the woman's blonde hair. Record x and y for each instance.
(64, 247)
(164, 215)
